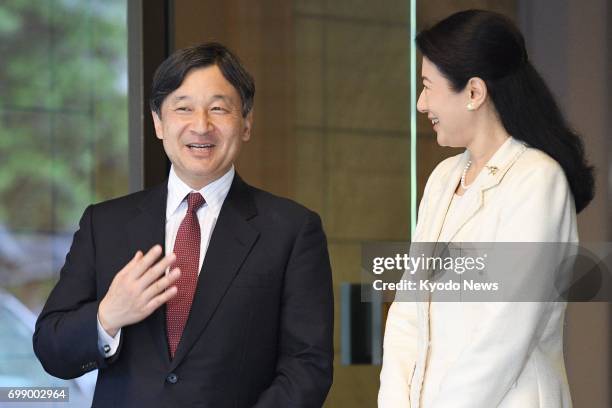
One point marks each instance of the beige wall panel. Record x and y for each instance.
(345, 259)
(369, 153)
(310, 180)
(391, 11)
(367, 83)
(309, 72)
(354, 386)
(310, 6)
(368, 192)
(253, 30)
(430, 12)
(368, 207)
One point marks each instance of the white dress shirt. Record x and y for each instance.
(176, 209)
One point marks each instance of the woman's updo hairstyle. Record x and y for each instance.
(487, 45)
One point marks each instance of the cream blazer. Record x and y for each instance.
(484, 355)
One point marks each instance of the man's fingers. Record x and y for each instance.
(132, 263)
(146, 261)
(136, 257)
(161, 284)
(154, 272)
(160, 299)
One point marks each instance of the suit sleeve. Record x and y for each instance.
(540, 210)
(66, 337)
(304, 369)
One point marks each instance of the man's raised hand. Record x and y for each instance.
(137, 290)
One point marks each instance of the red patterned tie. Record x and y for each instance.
(187, 250)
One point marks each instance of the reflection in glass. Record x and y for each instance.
(63, 145)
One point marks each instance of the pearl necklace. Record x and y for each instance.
(465, 170)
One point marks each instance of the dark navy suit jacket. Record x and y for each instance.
(260, 331)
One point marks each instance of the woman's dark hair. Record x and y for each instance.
(487, 45)
(171, 73)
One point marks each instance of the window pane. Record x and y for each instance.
(63, 145)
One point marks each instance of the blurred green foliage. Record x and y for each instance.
(63, 110)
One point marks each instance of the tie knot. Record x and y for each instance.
(194, 201)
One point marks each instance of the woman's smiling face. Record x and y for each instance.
(445, 108)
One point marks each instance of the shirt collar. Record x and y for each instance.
(214, 193)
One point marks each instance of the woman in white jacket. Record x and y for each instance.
(522, 178)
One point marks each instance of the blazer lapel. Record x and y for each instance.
(444, 190)
(494, 172)
(230, 243)
(145, 230)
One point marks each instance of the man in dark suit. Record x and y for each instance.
(239, 311)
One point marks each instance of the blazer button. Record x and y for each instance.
(172, 378)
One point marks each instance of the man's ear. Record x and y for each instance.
(159, 129)
(477, 89)
(248, 125)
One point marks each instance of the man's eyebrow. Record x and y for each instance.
(425, 78)
(225, 98)
(222, 97)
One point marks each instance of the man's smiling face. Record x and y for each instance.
(202, 126)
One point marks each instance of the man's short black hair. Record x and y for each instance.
(171, 73)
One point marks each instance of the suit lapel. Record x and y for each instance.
(442, 195)
(145, 230)
(445, 187)
(494, 172)
(230, 243)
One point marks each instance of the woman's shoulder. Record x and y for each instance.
(535, 163)
(535, 176)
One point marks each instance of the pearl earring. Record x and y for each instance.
(470, 106)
